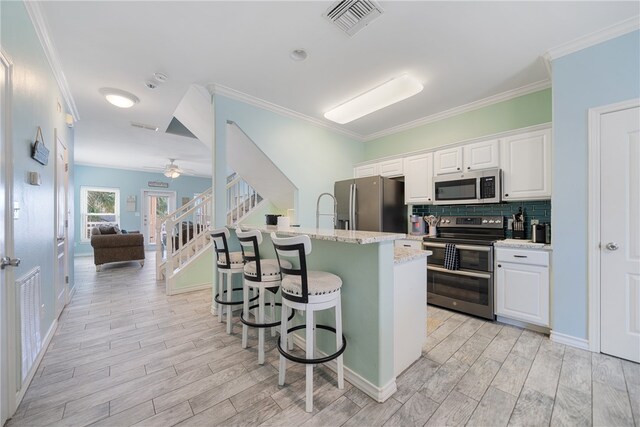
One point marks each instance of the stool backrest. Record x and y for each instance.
(294, 247)
(220, 237)
(251, 239)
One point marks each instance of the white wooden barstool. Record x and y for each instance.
(229, 263)
(260, 275)
(307, 291)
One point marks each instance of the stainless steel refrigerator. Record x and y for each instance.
(373, 203)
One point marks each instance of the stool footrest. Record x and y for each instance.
(263, 325)
(219, 301)
(313, 361)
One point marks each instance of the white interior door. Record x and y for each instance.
(61, 225)
(620, 234)
(156, 204)
(3, 307)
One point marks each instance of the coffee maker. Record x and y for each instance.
(541, 233)
(417, 225)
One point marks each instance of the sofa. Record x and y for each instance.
(110, 244)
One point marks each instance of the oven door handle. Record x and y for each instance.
(459, 272)
(463, 247)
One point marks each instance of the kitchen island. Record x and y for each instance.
(365, 261)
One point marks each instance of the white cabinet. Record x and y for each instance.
(365, 170)
(408, 243)
(391, 168)
(526, 166)
(522, 285)
(481, 155)
(418, 179)
(448, 160)
(410, 312)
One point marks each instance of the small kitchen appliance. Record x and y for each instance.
(417, 225)
(469, 287)
(541, 233)
(467, 188)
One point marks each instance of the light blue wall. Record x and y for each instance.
(130, 183)
(313, 158)
(35, 96)
(600, 75)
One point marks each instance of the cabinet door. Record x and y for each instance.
(391, 168)
(482, 155)
(522, 292)
(418, 179)
(526, 166)
(448, 161)
(365, 170)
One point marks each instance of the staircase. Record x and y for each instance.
(183, 259)
(242, 199)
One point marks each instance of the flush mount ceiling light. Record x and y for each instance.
(390, 92)
(171, 170)
(298, 54)
(119, 98)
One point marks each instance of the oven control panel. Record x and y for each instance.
(472, 221)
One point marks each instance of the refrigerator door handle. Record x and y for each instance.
(352, 208)
(348, 227)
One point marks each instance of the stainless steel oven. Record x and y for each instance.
(468, 188)
(470, 287)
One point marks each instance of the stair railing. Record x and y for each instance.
(241, 199)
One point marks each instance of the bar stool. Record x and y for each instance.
(229, 263)
(307, 291)
(260, 275)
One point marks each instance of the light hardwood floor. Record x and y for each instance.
(125, 354)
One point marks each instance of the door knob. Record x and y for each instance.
(612, 246)
(6, 261)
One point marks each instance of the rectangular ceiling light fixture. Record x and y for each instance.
(390, 92)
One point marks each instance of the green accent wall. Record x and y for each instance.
(527, 110)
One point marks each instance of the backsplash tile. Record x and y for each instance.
(538, 209)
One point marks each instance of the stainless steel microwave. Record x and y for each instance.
(468, 188)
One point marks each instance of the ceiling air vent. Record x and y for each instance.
(352, 16)
(143, 126)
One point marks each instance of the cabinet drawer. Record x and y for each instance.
(408, 243)
(523, 256)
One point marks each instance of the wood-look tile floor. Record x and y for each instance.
(125, 354)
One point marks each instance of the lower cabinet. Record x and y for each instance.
(522, 285)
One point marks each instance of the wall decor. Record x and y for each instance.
(39, 152)
(131, 203)
(159, 184)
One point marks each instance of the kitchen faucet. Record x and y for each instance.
(335, 210)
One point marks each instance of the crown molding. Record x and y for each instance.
(607, 33)
(266, 105)
(37, 18)
(504, 96)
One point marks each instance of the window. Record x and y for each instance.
(98, 206)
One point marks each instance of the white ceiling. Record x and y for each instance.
(462, 51)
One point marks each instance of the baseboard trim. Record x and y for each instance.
(379, 394)
(569, 340)
(190, 289)
(525, 325)
(45, 345)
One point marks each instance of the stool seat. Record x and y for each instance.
(269, 269)
(319, 282)
(235, 259)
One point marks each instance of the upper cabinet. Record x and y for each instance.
(481, 155)
(418, 179)
(448, 160)
(526, 166)
(391, 168)
(365, 170)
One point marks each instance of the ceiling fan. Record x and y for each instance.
(171, 170)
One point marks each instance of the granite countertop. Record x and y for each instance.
(402, 255)
(345, 236)
(412, 237)
(521, 244)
